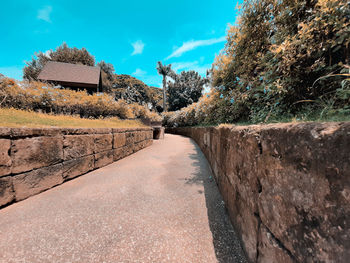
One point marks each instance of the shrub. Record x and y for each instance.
(206, 111)
(38, 96)
(283, 60)
(275, 61)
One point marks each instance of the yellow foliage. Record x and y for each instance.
(44, 97)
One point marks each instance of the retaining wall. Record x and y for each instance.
(34, 160)
(286, 187)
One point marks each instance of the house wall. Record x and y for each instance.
(33, 160)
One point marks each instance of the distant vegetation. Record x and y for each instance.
(125, 87)
(283, 60)
(123, 97)
(38, 96)
(133, 90)
(62, 54)
(164, 71)
(183, 89)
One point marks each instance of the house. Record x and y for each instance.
(73, 76)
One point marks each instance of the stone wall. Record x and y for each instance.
(33, 160)
(286, 187)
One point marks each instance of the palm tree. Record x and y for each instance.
(164, 70)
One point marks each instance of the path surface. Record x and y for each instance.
(157, 205)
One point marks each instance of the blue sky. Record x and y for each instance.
(132, 35)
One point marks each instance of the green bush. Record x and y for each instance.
(284, 60)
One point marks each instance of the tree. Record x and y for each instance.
(62, 53)
(277, 57)
(107, 75)
(133, 90)
(107, 68)
(186, 89)
(164, 70)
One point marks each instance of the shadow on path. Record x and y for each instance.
(226, 243)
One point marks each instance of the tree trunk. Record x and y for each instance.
(164, 94)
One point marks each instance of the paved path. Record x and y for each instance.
(157, 205)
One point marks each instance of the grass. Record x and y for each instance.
(21, 118)
(342, 116)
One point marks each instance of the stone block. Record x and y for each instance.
(102, 130)
(149, 142)
(76, 167)
(122, 152)
(269, 249)
(5, 159)
(150, 134)
(137, 136)
(128, 150)
(136, 147)
(7, 193)
(146, 143)
(244, 222)
(103, 142)
(31, 153)
(119, 140)
(35, 132)
(118, 154)
(34, 182)
(120, 130)
(142, 144)
(158, 133)
(5, 132)
(310, 175)
(77, 131)
(301, 210)
(76, 146)
(103, 158)
(143, 135)
(147, 134)
(130, 137)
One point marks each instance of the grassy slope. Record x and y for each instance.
(20, 118)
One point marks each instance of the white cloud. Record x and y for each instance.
(151, 80)
(47, 53)
(138, 47)
(179, 66)
(193, 44)
(139, 72)
(206, 89)
(44, 14)
(191, 65)
(196, 66)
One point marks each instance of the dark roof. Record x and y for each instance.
(74, 73)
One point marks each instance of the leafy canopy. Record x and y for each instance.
(283, 59)
(62, 54)
(277, 52)
(185, 89)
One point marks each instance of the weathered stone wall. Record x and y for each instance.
(286, 187)
(34, 160)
